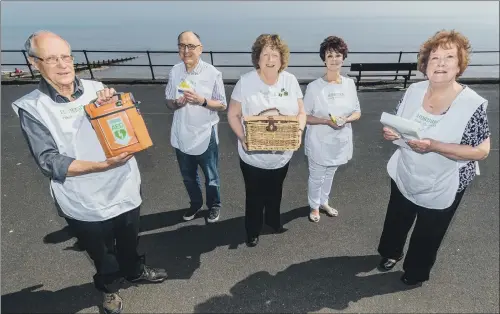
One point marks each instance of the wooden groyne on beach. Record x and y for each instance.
(100, 63)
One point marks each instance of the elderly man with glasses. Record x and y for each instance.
(195, 92)
(99, 198)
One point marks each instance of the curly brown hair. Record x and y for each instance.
(274, 42)
(333, 43)
(445, 39)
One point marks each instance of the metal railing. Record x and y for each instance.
(151, 66)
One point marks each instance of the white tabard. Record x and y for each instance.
(431, 180)
(323, 144)
(192, 124)
(94, 196)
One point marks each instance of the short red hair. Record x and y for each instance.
(446, 40)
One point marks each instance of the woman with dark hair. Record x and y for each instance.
(331, 104)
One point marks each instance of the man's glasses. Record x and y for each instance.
(54, 60)
(182, 47)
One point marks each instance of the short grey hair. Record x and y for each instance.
(31, 49)
(179, 37)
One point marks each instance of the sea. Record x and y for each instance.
(384, 27)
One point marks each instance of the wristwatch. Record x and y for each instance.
(204, 104)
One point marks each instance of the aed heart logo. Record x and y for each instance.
(121, 134)
(119, 130)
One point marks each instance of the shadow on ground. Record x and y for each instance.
(36, 300)
(310, 286)
(179, 251)
(331, 283)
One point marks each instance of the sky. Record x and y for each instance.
(110, 12)
(233, 25)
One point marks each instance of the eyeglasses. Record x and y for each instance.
(54, 59)
(182, 47)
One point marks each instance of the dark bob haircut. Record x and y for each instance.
(333, 43)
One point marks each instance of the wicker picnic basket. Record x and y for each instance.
(272, 131)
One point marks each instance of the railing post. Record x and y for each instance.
(359, 75)
(399, 61)
(88, 64)
(28, 64)
(151, 65)
(211, 57)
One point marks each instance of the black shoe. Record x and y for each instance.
(409, 281)
(213, 214)
(252, 241)
(386, 264)
(191, 213)
(150, 274)
(280, 230)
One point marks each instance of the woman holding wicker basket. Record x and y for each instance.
(331, 103)
(267, 88)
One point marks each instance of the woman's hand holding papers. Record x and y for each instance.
(421, 146)
(390, 134)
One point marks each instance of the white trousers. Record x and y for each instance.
(319, 183)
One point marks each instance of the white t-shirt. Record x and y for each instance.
(255, 96)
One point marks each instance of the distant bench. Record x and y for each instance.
(382, 67)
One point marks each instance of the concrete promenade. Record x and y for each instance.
(329, 266)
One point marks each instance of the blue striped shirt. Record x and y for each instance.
(179, 73)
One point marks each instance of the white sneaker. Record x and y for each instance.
(332, 212)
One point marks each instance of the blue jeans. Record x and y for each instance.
(209, 163)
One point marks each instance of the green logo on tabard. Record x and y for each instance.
(119, 131)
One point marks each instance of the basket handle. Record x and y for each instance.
(267, 110)
(271, 127)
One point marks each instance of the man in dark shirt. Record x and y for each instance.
(99, 198)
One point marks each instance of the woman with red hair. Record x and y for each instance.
(429, 176)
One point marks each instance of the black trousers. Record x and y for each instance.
(112, 246)
(263, 189)
(430, 228)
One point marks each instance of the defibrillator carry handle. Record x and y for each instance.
(117, 104)
(119, 94)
